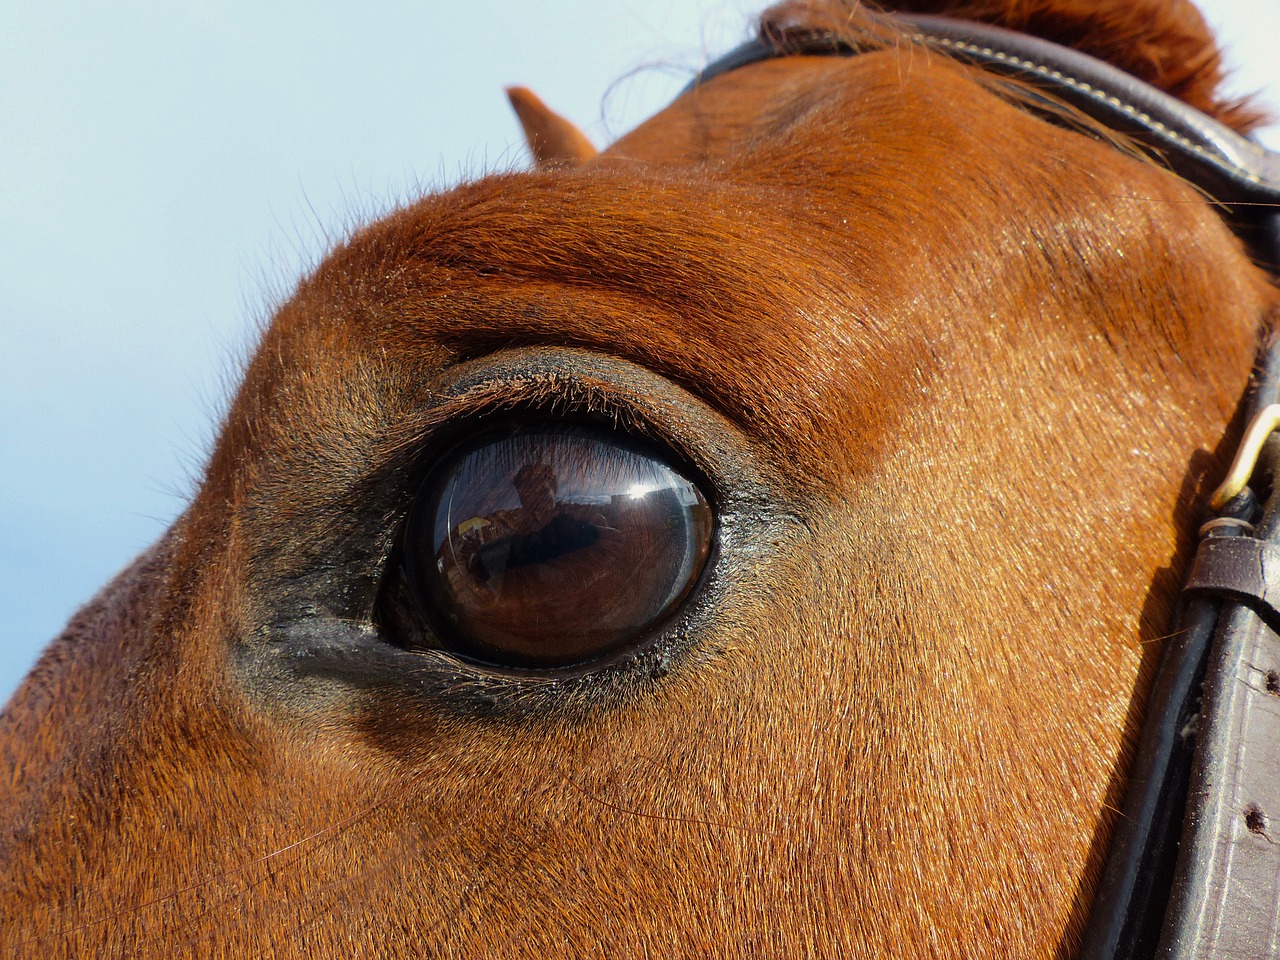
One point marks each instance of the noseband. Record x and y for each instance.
(1194, 865)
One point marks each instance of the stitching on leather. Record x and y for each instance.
(1088, 89)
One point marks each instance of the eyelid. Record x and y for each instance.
(568, 383)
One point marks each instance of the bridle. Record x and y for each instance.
(1194, 865)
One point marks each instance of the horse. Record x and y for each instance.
(756, 538)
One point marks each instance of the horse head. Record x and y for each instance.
(754, 538)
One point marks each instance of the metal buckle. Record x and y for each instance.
(1262, 426)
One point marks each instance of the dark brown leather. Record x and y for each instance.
(1226, 901)
(1244, 568)
(1226, 898)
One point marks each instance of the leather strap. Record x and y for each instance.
(1243, 568)
(1226, 900)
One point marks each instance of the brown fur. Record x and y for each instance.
(947, 365)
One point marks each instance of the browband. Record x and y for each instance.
(1191, 875)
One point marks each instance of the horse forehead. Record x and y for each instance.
(732, 245)
(704, 282)
(885, 106)
(834, 186)
(773, 269)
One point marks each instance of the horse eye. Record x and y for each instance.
(546, 545)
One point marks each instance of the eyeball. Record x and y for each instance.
(546, 545)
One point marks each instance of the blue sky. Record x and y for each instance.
(169, 171)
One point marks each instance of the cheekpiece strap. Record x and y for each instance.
(1225, 896)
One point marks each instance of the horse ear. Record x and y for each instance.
(552, 139)
(1164, 42)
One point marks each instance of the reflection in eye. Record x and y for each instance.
(548, 545)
